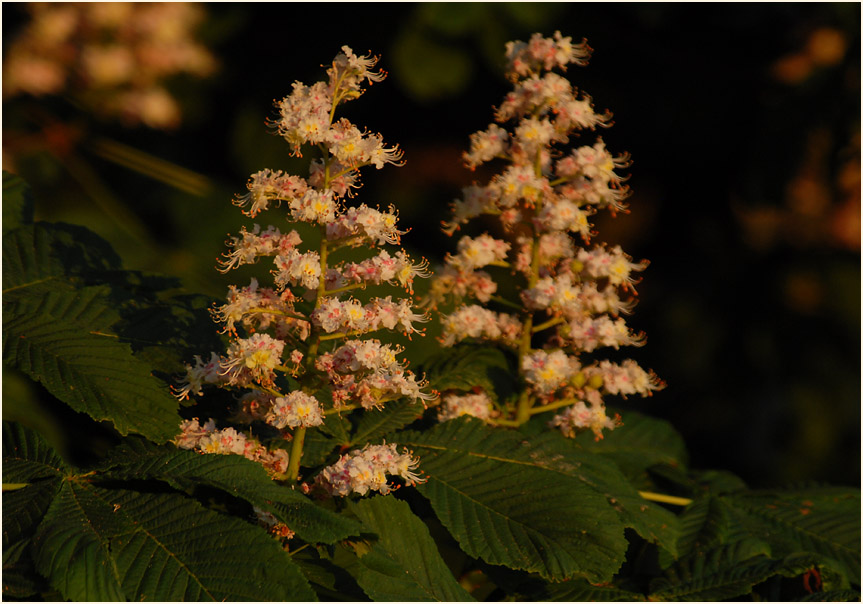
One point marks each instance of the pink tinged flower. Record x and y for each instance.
(579, 114)
(305, 115)
(612, 264)
(295, 268)
(485, 145)
(533, 133)
(626, 378)
(476, 200)
(254, 357)
(296, 410)
(473, 321)
(589, 333)
(369, 355)
(478, 252)
(267, 186)
(342, 180)
(519, 183)
(250, 245)
(202, 373)
(580, 417)
(476, 405)
(544, 53)
(191, 433)
(547, 372)
(348, 72)
(364, 221)
(223, 442)
(563, 215)
(366, 470)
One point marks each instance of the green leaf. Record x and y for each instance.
(822, 520)
(579, 590)
(505, 507)
(99, 544)
(375, 424)
(467, 366)
(20, 580)
(404, 565)
(726, 572)
(58, 332)
(27, 457)
(654, 523)
(836, 595)
(71, 546)
(17, 202)
(237, 476)
(23, 509)
(703, 526)
(641, 442)
(94, 374)
(318, 447)
(42, 257)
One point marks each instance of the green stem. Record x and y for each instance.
(505, 302)
(347, 334)
(296, 454)
(661, 498)
(14, 486)
(523, 409)
(555, 405)
(346, 288)
(547, 324)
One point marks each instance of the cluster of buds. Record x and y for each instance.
(114, 57)
(572, 294)
(299, 350)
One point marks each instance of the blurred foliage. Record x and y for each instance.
(743, 122)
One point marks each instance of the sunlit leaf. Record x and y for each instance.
(404, 564)
(505, 507)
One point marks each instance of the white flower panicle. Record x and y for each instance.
(545, 195)
(366, 470)
(296, 353)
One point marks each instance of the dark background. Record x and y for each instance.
(743, 121)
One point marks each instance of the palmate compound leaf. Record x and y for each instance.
(93, 543)
(506, 508)
(117, 544)
(550, 450)
(237, 476)
(404, 564)
(377, 423)
(32, 475)
(727, 571)
(821, 520)
(85, 367)
(641, 442)
(57, 331)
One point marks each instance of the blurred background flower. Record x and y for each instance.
(743, 121)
